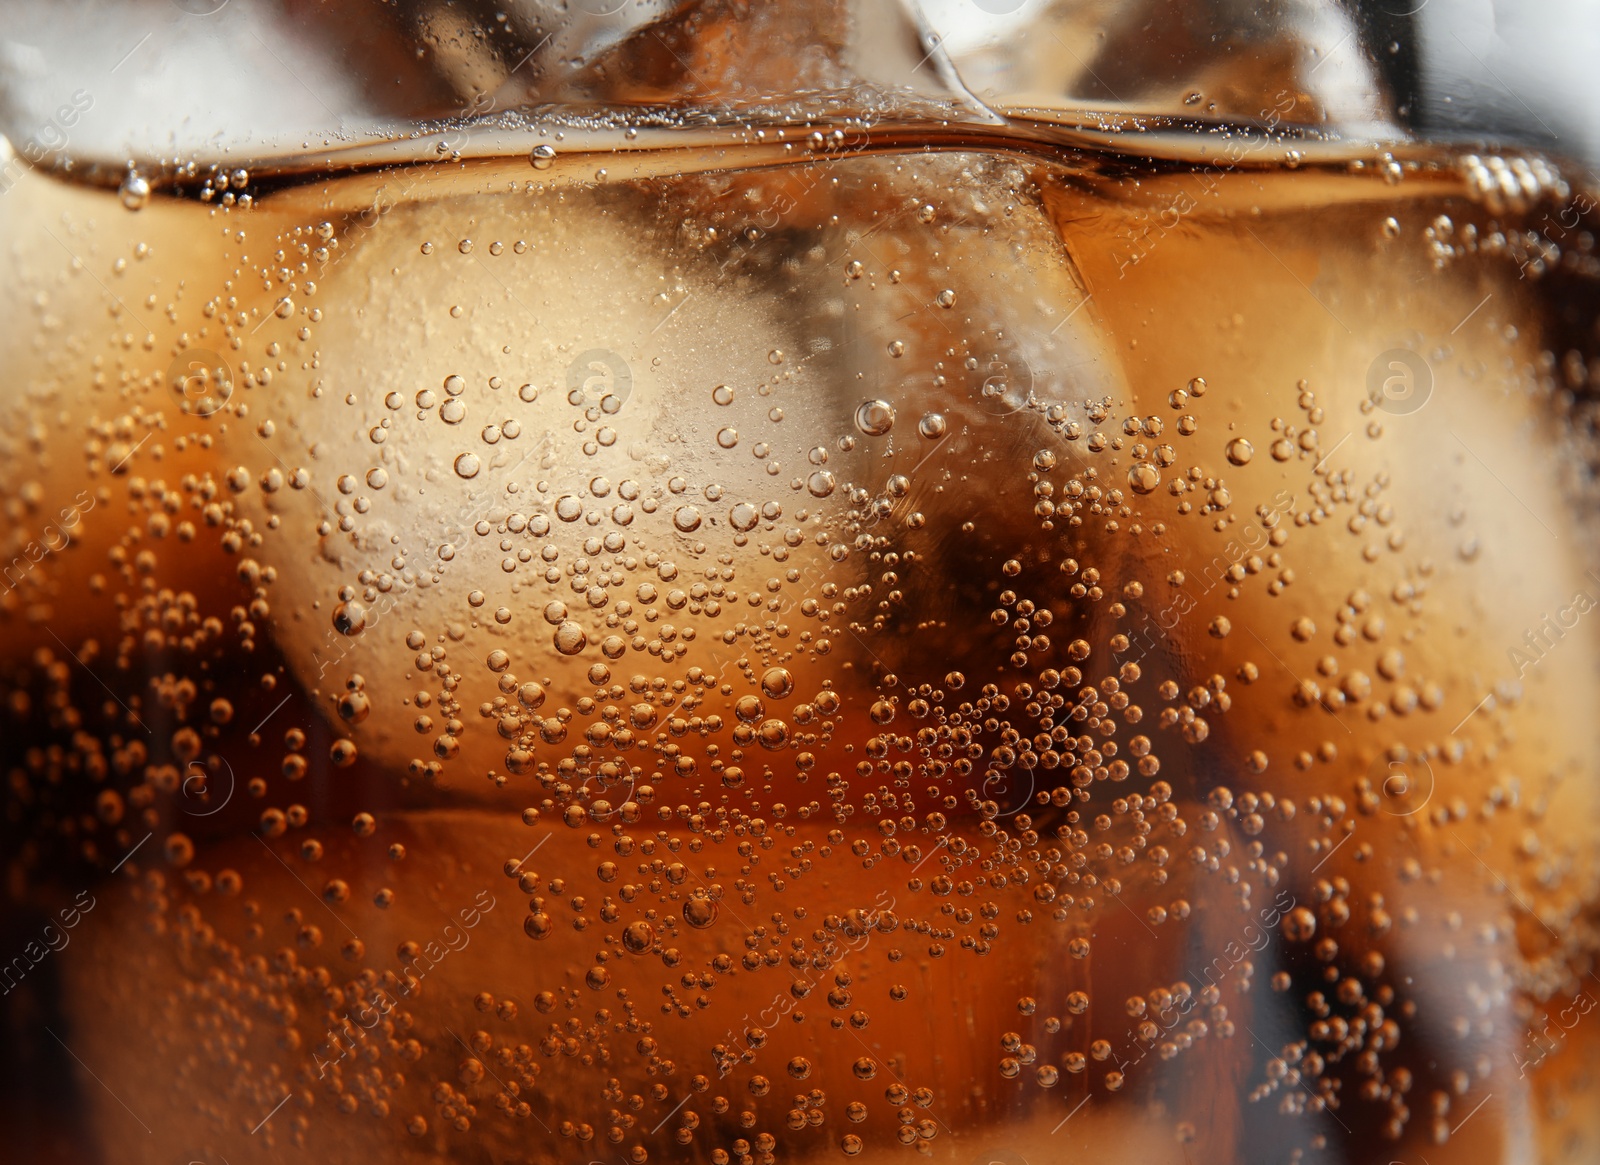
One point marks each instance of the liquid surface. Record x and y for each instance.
(806, 649)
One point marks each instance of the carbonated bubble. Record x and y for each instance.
(349, 618)
(699, 912)
(570, 638)
(875, 417)
(134, 191)
(1144, 478)
(638, 937)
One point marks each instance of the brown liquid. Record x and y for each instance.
(838, 648)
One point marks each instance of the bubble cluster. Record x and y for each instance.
(680, 761)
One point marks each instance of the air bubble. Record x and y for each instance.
(354, 707)
(1144, 478)
(875, 417)
(699, 912)
(1299, 925)
(638, 937)
(134, 191)
(349, 618)
(570, 638)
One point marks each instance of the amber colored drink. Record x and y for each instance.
(805, 644)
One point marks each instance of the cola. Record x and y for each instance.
(831, 639)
